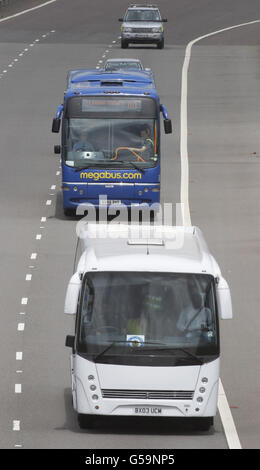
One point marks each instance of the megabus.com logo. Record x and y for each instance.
(110, 175)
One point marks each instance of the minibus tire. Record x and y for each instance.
(204, 424)
(86, 421)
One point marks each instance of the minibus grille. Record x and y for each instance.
(149, 394)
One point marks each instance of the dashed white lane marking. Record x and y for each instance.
(43, 219)
(38, 236)
(18, 388)
(223, 406)
(16, 425)
(48, 202)
(19, 355)
(28, 277)
(25, 50)
(20, 326)
(33, 255)
(24, 301)
(53, 186)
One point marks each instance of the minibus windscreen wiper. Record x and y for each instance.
(172, 348)
(122, 341)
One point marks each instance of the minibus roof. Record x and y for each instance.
(134, 247)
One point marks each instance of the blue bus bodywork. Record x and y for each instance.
(110, 142)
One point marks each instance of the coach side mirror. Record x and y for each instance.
(167, 126)
(55, 125)
(224, 299)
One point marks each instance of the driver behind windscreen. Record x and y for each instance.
(83, 145)
(195, 317)
(147, 149)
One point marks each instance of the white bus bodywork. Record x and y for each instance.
(102, 388)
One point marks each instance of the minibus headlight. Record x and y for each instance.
(93, 387)
(156, 190)
(204, 380)
(91, 377)
(202, 390)
(94, 397)
(75, 188)
(199, 399)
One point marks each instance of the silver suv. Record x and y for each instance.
(142, 24)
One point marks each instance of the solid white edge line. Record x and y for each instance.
(227, 420)
(224, 409)
(27, 11)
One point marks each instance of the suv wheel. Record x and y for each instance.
(124, 44)
(160, 44)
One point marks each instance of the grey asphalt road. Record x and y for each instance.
(224, 156)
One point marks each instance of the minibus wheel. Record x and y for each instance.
(204, 424)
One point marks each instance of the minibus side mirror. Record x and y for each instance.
(164, 20)
(167, 126)
(72, 295)
(56, 125)
(120, 19)
(70, 341)
(224, 299)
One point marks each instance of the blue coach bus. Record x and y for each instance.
(110, 140)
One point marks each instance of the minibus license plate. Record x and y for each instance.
(147, 410)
